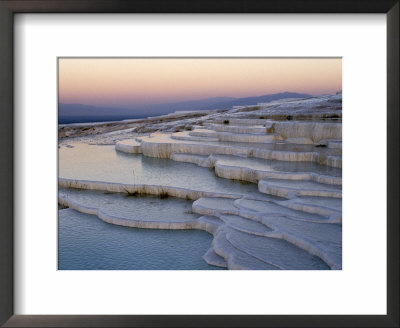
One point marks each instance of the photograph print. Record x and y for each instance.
(199, 163)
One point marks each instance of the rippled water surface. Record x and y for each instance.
(87, 243)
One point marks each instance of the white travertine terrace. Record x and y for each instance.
(312, 131)
(156, 190)
(128, 146)
(256, 129)
(291, 149)
(163, 146)
(292, 189)
(202, 132)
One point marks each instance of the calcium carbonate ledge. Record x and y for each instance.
(255, 175)
(236, 172)
(273, 187)
(149, 189)
(162, 146)
(128, 146)
(156, 190)
(312, 246)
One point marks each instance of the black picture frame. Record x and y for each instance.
(10, 7)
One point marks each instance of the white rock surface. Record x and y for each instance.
(314, 131)
(255, 129)
(128, 146)
(163, 146)
(247, 137)
(292, 189)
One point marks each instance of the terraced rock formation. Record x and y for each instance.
(291, 150)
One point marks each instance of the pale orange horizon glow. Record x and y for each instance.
(127, 82)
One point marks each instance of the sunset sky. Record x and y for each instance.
(129, 82)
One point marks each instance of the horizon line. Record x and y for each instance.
(198, 99)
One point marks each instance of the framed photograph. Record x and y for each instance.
(218, 164)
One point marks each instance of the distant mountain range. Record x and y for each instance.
(77, 113)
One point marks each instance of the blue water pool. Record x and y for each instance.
(87, 243)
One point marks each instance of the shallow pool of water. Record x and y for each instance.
(138, 207)
(104, 163)
(87, 243)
